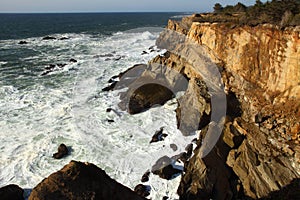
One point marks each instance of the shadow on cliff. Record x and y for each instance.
(289, 192)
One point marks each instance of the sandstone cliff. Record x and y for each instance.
(259, 151)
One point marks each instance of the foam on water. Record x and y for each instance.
(68, 106)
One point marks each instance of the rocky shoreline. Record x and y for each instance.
(257, 155)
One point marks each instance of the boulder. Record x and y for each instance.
(173, 147)
(11, 192)
(145, 176)
(147, 96)
(61, 151)
(81, 181)
(142, 190)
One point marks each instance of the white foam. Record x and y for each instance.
(35, 120)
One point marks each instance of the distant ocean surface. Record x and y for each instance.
(40, 110)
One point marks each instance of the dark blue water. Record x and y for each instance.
(19, 26)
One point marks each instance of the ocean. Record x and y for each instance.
(41, 108)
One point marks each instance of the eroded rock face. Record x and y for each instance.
(81, 181)
(258, 153)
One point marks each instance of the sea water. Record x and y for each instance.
(67, 105)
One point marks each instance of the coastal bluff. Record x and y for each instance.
(258, 154)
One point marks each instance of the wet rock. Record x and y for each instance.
(108, 109)
(110, 120)
(173, 147)
(110, 87)
(81, 181)
(144, 53)
(62, 151)
(11, 192)
(189, 150)
(23, 42)
(145, 176)
(158, 136)
(164, 168)
(142, 190)
(73, 60)
(182, 157)
(64, 38)
(61, 65)
(49, 38)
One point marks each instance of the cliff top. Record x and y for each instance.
(283, 13)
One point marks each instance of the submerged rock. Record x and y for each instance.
(11, 192)
(81, 181)
(49, 38)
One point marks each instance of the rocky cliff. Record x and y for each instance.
(258, 153)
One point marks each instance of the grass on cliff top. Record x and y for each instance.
(283, 13)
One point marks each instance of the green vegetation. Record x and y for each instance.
(279, 12)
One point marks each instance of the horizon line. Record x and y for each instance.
(95, 12)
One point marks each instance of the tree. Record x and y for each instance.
(258, 3)
(218, 8)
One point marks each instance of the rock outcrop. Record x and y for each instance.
(62, 151)
(81, 181)
(11, 192)
(257, 154)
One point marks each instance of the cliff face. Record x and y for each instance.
(260, 67)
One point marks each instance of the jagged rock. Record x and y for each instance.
(164, 168)
(145, 176)
(61, 151)
(81, 181)
(158, 136)
(11, 192)
(208, 177)
(23, 42)
(142, 190)
(258, 165)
